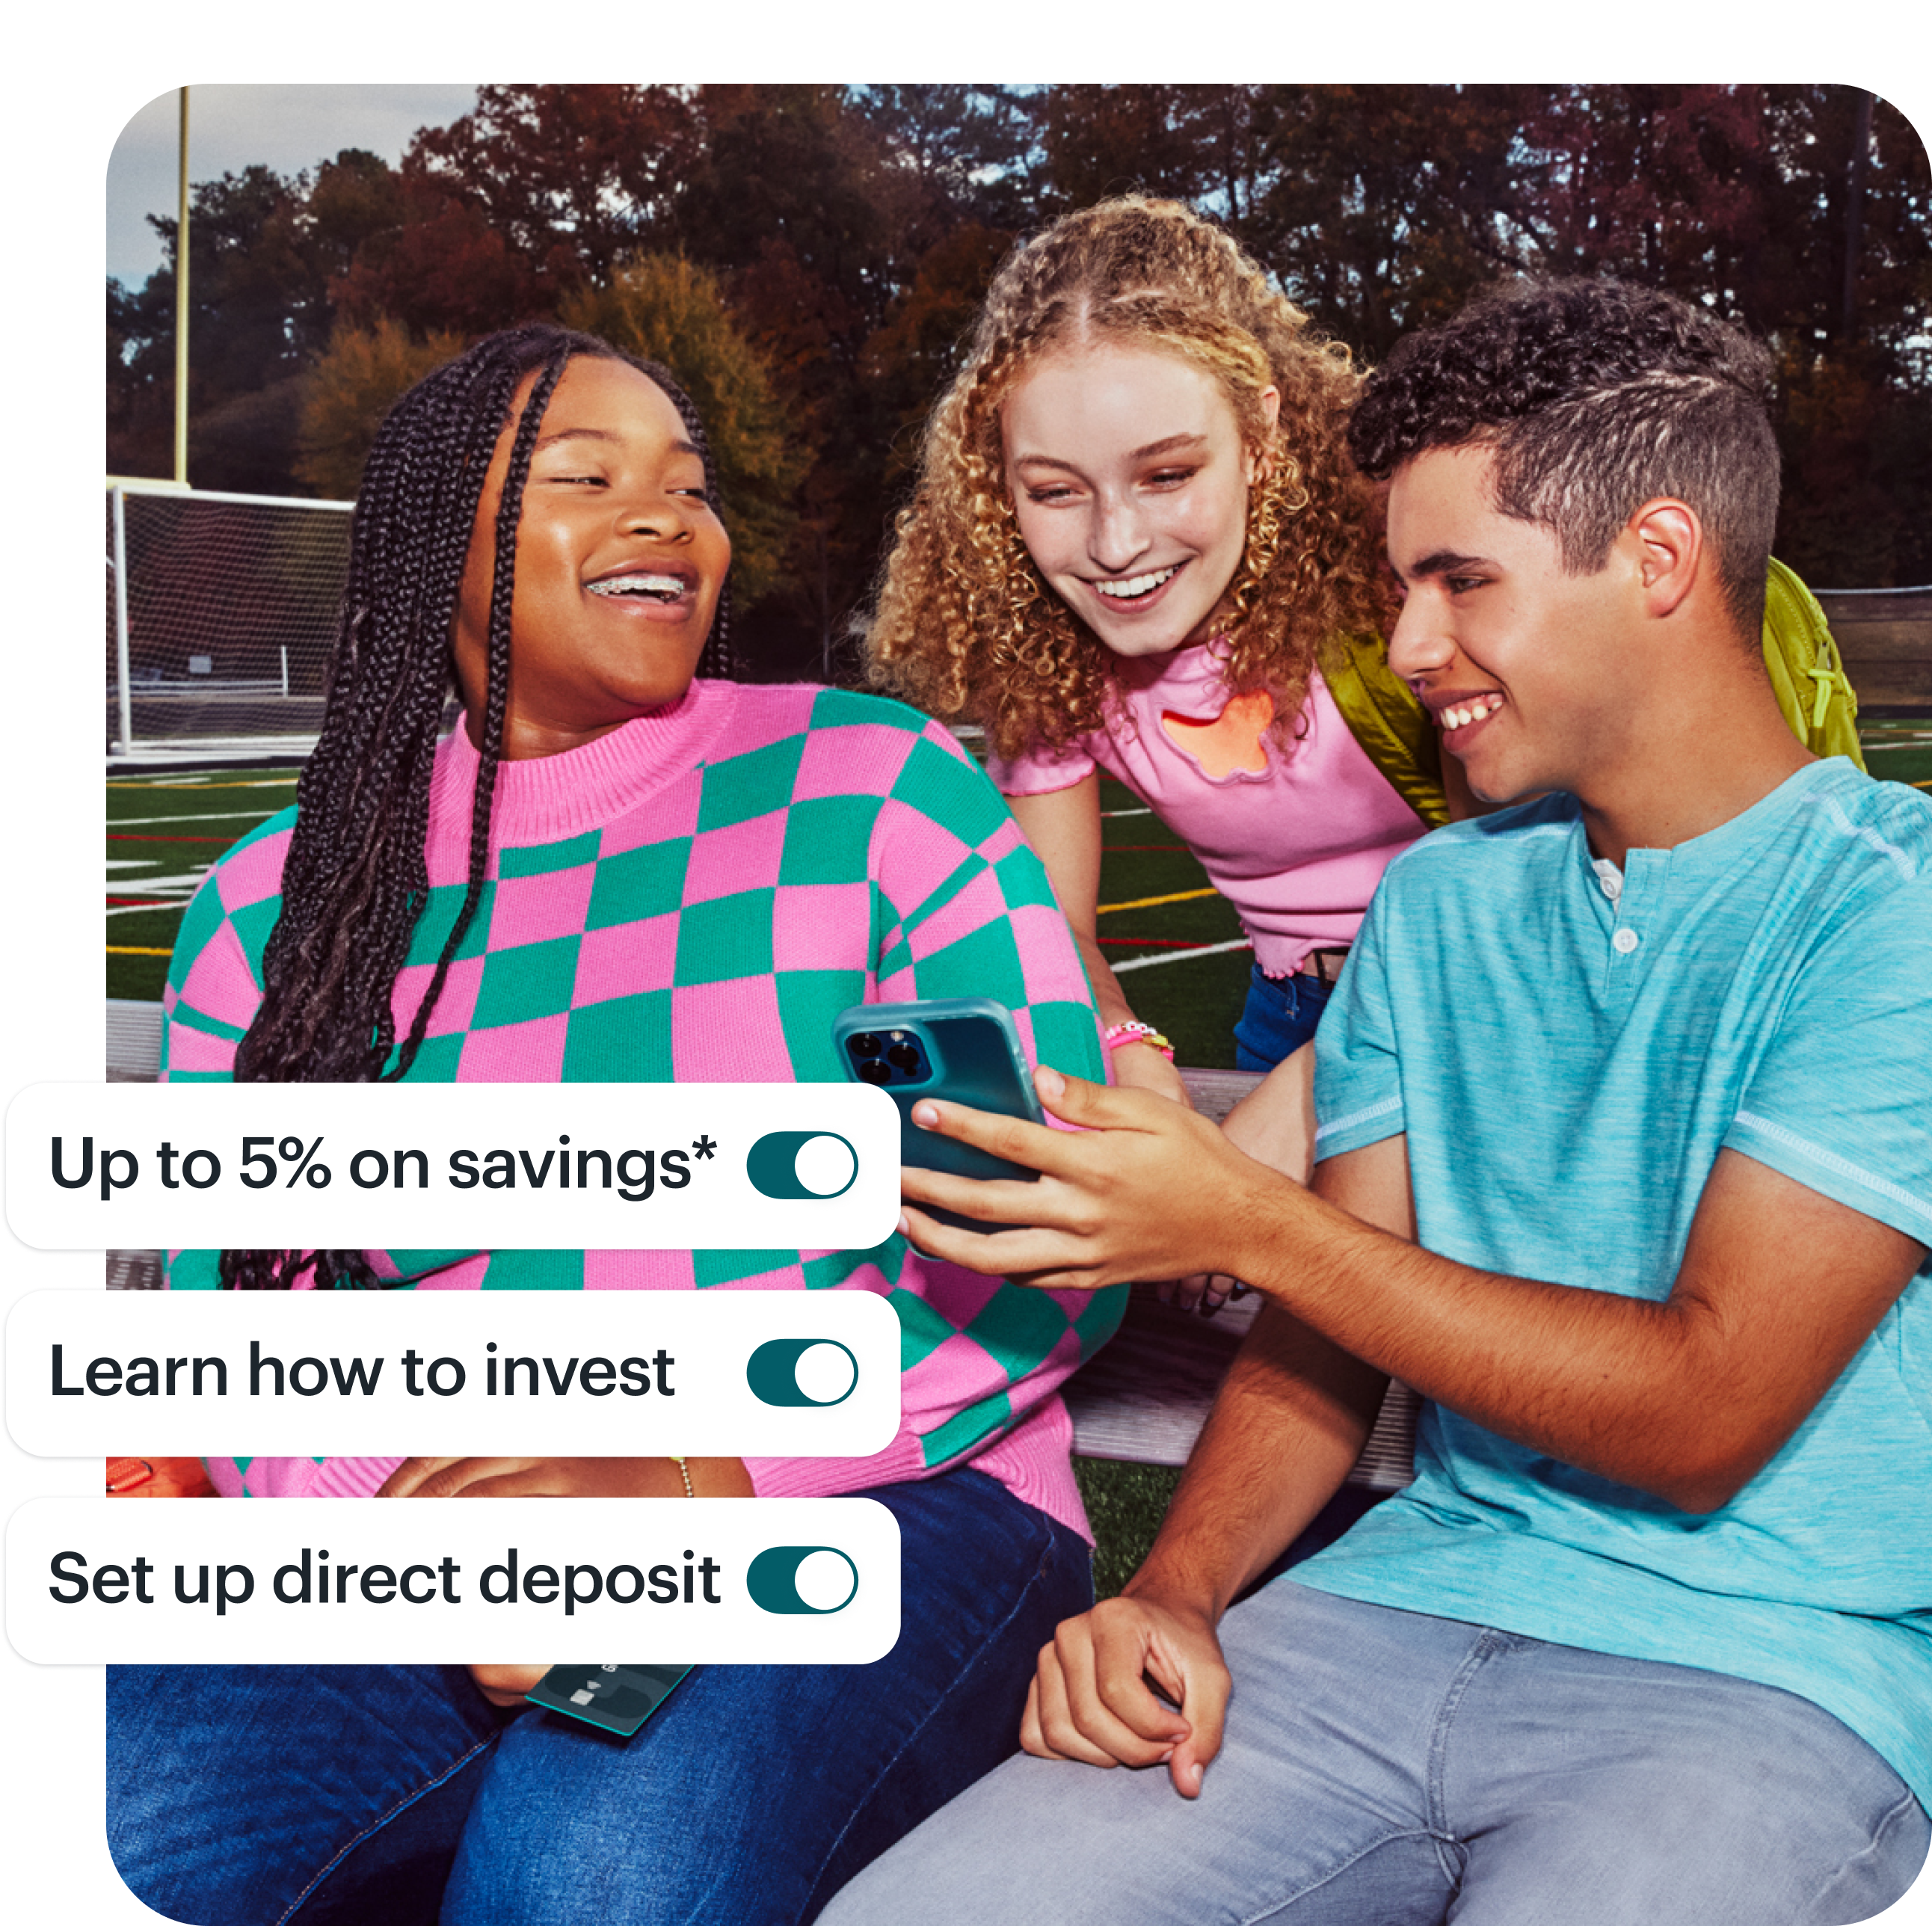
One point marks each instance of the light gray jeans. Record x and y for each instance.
(1384, 1769)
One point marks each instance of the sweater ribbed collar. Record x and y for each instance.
(546, 799)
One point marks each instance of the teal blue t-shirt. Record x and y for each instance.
(1567, 1060)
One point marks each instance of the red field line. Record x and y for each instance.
(1151, 942)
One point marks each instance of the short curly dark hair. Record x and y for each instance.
(1596, 396)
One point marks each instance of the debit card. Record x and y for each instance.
(614, 1698)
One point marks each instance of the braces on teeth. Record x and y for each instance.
(669, 585)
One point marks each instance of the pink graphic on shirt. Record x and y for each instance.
(1298, 847)
(1231, 741)
(195, 1050)
(638, 1271)
(957, 918)
(1049, 977)
(672, 813)
(919, 845)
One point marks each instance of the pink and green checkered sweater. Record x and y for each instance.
(694, 897)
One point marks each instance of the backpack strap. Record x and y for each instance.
(1384, 716)
(1807, 674)
(1807, 677)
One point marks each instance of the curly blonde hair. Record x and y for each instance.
(965, 627)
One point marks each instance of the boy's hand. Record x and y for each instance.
(1143, 1189)
(1090, 1700)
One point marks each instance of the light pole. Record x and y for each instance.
(180, 309)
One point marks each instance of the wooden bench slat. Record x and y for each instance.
(134, 1040)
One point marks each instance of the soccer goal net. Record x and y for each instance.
(221, 611)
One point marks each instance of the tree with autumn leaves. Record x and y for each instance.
(807, 258)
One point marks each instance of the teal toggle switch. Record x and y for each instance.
(802, 1163)
(801, 1371)
(793, 1578)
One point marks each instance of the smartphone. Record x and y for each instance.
(964, 1049)
(613, 1698)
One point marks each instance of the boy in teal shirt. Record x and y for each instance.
(1624, 1163)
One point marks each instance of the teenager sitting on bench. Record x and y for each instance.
(1624, 1165)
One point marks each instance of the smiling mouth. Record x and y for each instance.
(647, 585)
(1135, 588)
(1468, 710)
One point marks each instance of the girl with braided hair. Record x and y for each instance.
(1137, 546)
(611, 869)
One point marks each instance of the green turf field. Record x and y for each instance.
(162, 831)
(1901, 752)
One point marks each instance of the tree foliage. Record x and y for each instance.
(361, 375)
(840, 237)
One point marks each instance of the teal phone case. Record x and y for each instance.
(971, 1053)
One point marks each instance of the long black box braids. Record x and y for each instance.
(355, 880)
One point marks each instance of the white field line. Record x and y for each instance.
(159, 885)
(198, 782)
(1126, 812)
(213, 816)
(135, 909)
(1179, 955)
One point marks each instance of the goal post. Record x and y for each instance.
(221, 610)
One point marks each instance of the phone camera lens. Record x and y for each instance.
(865, 1045)
(904, 1056)
(872, 1071)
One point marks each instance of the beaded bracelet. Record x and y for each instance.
(684, 1472)
(1137, 1032)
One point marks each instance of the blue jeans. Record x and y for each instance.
(1279, 1017)
(379, 1795)
(1383, 1768)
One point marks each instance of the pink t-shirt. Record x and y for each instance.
(1295, 838)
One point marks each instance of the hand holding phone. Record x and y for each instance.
(960, 1049)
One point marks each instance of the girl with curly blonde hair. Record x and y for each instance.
(1138, 545)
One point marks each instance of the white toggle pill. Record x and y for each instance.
(825, 1372)
(825, 1165)
(826, 1580)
